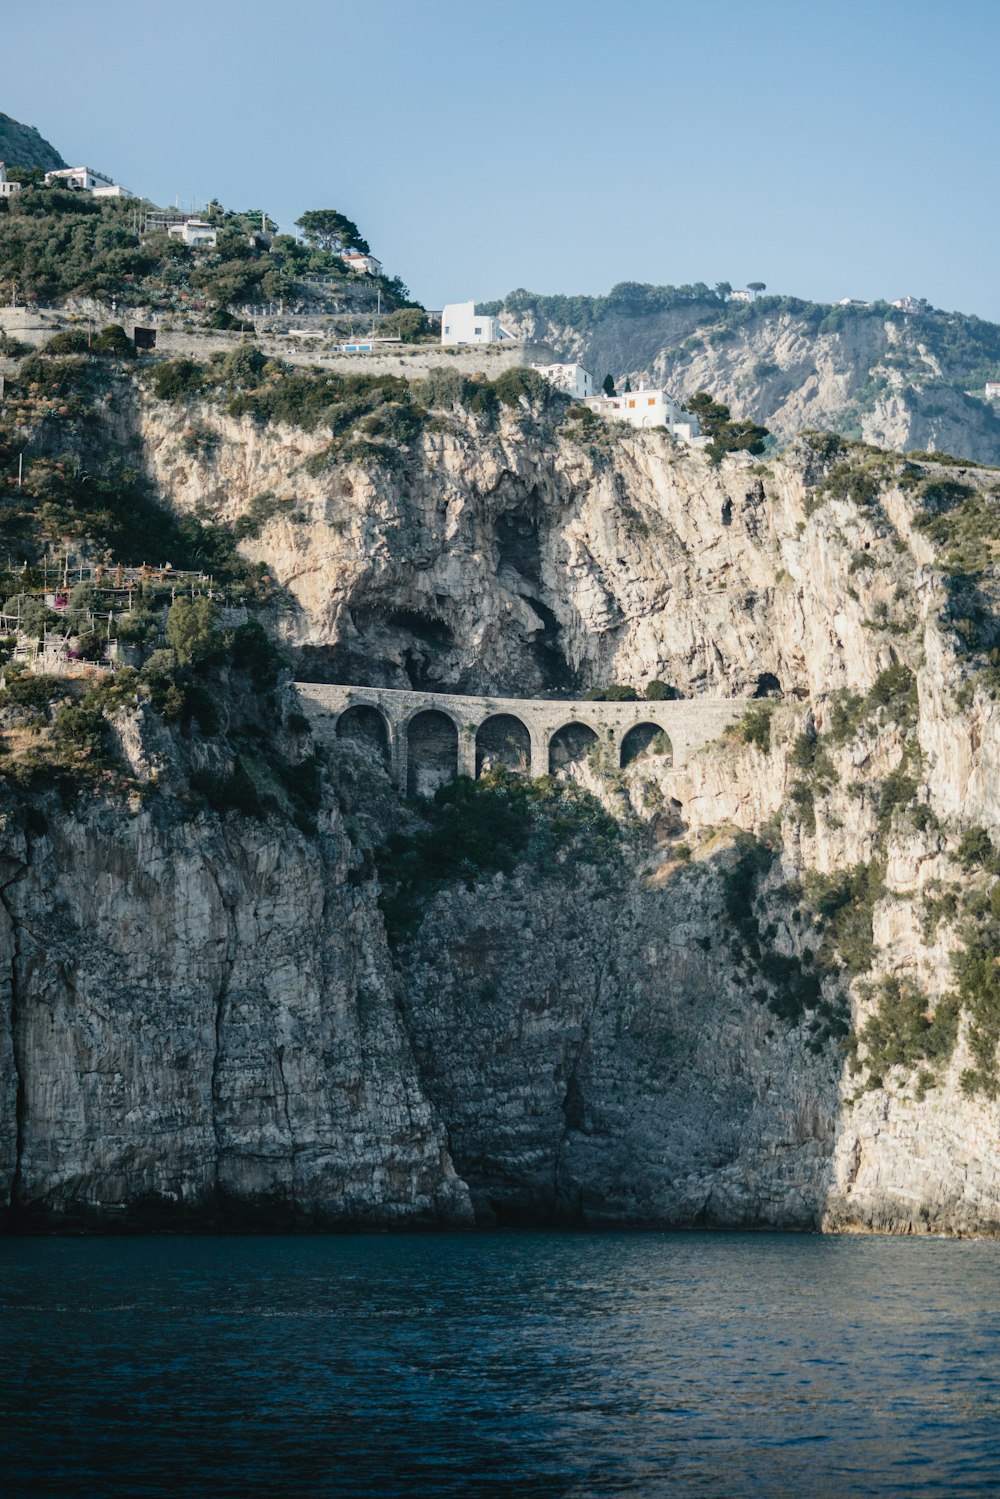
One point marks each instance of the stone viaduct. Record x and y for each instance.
(430, 737)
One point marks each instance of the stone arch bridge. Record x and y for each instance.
(430, 737)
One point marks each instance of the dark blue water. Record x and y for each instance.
(503, 1364)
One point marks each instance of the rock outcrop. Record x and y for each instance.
(207, 1023)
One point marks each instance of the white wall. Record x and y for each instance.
(572, 378)
(460, 324)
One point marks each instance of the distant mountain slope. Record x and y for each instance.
(873, 372)
(22, 146)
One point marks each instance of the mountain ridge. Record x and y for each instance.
(24, 146)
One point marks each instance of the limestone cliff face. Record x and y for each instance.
(205, 1018)
(199, 1028)
(871, 376)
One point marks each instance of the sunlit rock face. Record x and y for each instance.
(205, 1022)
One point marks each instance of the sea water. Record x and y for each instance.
(562, 1364)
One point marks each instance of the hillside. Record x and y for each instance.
(22, 146)
(756, 988)
(899, 380)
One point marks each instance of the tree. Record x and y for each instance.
(722, 290)
(609, 386)
(727, 436)
(756, 287)
(409, 324)
(329, 230)
(712, 415)
(191, 628)
(628, 386)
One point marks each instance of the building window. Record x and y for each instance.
(631, 404)
(447, 329)
(477, 331)
(651, 401)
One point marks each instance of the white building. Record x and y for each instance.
(365, 265)
(84, 178)
(195, 232)
(572, 378)
(739, 296)
(992, 391)
(7, 189)
(852, 302)
(649, 408)
(915, 305)
(114, 191)
(462, 324)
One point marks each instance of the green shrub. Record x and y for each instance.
(842, 904)
(191, 629)
(755, 727)
(71, 341)
(661, 692)
(513, 386)
(904, 1031)
(114, 341)
(893, 694)
(615, 693)
(177, 380)
(78, 729)
(32, 692)
(976, 850)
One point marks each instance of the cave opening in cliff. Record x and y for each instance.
(503, 740)
(365, 726)
(400, 648)
(645, 739)
(432, 752)
(554, 671)
(519, 548)
(767, 685)
(519, 564)
(570, 746)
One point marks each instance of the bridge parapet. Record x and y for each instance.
(689, 723)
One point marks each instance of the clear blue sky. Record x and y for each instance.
(828, 149)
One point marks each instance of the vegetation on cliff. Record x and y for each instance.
(57, 243)
(22, 148)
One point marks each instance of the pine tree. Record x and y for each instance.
(609, 386)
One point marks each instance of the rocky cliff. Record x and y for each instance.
(899, 380)
(758, 989)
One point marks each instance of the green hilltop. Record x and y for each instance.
(22, 146)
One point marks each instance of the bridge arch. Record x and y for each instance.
(366, 725)
(570, 745)
(503, 739)
(431, 751)
(643, 739)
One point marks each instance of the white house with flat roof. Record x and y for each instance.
(114, 191)
(365, 265)
(83, 178)
(462, 324)
(195, 232)
(649, 408)
(7, 189)
(992, 390)
(572, 378)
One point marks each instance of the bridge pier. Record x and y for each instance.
(467, 751)
(400, 756)
(539, 752)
